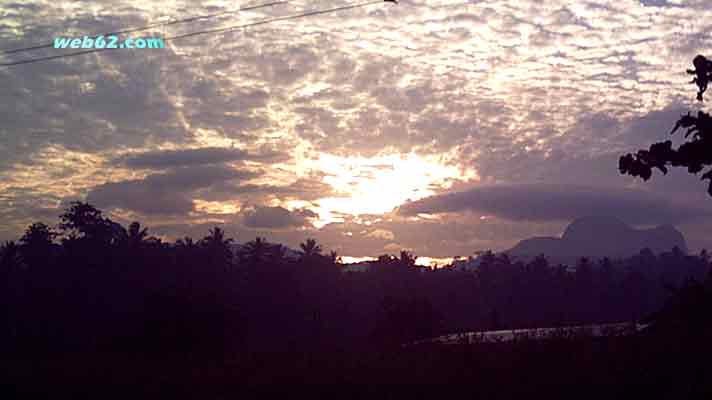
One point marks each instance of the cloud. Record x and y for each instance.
(541, 92)
(551, 202)
(381, 234)
(276, 217)
(169, 193)
(140, 197)
(162, 159)
(306, 189)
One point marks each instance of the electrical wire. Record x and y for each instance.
(204, 32)
(153, 25)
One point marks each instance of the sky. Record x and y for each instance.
(440, 127)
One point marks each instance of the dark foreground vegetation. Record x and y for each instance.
(651, 366)
(93, 303)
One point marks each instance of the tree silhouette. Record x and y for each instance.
(186, 245)
(255, 251)
(38, 234)
(310, 249)
(97, 294)
(703, 74)
(135, 236)
(334, 257)
(407, 259)
(84, 221)
(695, 154)
(277, 253)
(36, 244)
(10, 257)
(217, 247)
(216, 239)
(12, 288)
(686, 312)
(385, 259)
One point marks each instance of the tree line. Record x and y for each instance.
(91, 283)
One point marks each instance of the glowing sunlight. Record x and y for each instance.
(379, 184)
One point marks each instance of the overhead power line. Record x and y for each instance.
(153, 25)
(204, 32)
(277, 19)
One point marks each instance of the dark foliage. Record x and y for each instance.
(106, 287)
(703, 74)
(108, 290)
(695, 154)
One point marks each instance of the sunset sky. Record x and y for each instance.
(443, 127)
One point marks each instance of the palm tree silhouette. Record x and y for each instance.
(135, 236)
(277, 253)
(187, 251)
(256, 250)
(310, 249)
(334, 257)
(217, 247)
(186, 243)
(216, 238)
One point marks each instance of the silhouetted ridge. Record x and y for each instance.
(598, 237)
(583, 229)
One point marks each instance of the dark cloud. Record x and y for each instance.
(654, 3)
(168, 193)
(197, 177)
(191, 157)
(587, 152)
(214, 103)
(140, 197)
(550, 202)
(276, 217)
(308, 189)
(88, 104)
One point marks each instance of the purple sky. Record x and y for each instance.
(442, 127)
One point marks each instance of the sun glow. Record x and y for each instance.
(215, 207)
(420, 261)
(433, 262)
(379, 184)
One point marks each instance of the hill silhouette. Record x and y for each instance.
(597, 237)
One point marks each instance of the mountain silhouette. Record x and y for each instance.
(598, 237)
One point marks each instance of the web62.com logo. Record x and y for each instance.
(108, 42)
